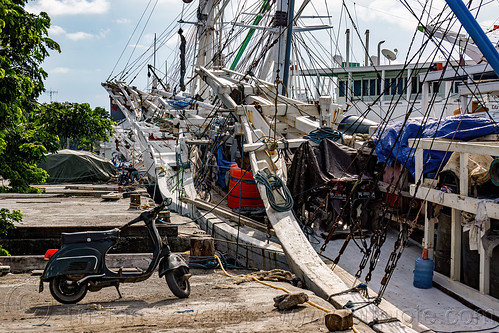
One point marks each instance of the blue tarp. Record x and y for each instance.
(460, 127)
(179, 104)
(223, 167)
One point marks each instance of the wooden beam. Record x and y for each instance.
(472, 147)
(229, 215)
(257, 146)
(463, 173)
(484, 275)
(429, 232)
(455, 245)
(456, 201)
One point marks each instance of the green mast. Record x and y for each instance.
(245, 43)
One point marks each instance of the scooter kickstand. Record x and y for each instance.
(117, 286)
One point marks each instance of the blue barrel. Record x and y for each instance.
(423, 273)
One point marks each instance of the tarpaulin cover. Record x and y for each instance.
(461, 128)
(179, 104)
(76, 166)
(315, 166)
(223, 167)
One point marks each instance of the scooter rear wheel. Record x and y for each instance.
(67, 291)
(178, 282)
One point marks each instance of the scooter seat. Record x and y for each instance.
(89, 236)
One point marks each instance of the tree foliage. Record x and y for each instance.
(24, 44)
(7, 220)
(75, 121)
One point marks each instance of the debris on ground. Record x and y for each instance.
(339, 320)
(289, 301)
(274, 275)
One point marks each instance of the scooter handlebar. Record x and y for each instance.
(148, 214)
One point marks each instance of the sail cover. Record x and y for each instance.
(315, 167)
(76, 166)
(391, 147)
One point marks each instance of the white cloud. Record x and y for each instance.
(79, 35)
(56, 30)
(69, 7)
(103, 33)
(60, 70)
(123, 21)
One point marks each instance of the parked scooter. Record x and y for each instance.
(123, 178)
(80, 264)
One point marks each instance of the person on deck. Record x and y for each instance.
(133, 174)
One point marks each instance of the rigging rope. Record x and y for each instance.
(324, 133)
(274, 184)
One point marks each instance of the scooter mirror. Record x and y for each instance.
(167, 201)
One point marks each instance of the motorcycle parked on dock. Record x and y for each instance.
(80, 264)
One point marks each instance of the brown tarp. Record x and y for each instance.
(316, 168)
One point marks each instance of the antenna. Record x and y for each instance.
(388, 54)
(51, 93)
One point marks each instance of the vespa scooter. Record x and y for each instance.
(80, 264)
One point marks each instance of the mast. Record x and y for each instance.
(154, 79)
(205, 34)
(280, 23)
(475, 31)
(289, 38)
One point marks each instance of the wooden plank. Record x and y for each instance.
(455, 245)
(455, 201)
(472, 147)
(463, 173)
(484, 275)
(418, 165)
(228, 215)
(485, 302)
(429, 232)
(257, 146)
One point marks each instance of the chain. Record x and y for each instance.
(398, 249)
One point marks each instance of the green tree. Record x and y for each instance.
(76, 122)
(7, 220)
(24, 44)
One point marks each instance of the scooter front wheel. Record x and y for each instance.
(178, 282)
(67, 291)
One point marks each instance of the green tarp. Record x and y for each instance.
(76, 166)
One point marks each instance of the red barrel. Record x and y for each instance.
(246, 188)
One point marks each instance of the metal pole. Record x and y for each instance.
(347, 33)
(471, 25)
(379, 52)
(367, 48)
(291, 9)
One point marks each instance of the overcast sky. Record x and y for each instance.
(93, 33)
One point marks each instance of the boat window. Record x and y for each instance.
(378, 87)
(435, 87)
(365, 87)
(456, 87)
(387, 87)
(372, 87)
(357, 88)
(415, 85)
(400, 86)
(393, 85)
(341, 89)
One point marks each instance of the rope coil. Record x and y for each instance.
(275, 184)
